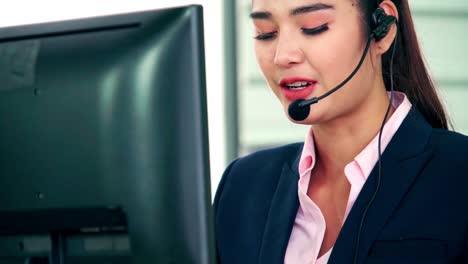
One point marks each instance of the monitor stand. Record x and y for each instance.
(57, 251)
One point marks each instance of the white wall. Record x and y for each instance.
(30, 11)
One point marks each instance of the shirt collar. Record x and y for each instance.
(308, 153)
(369, 156)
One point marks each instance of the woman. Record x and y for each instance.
(328, 200)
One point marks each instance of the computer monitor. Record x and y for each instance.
(104, 141)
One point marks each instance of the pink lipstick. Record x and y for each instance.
(295, 88)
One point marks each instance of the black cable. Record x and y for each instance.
(364, 214)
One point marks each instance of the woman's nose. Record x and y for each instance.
(288, 53)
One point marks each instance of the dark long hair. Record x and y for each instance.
(409, 71)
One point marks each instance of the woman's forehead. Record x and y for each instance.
(269, 9)
(283, 3)
(282, 6)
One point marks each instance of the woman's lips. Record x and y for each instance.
(295, 94)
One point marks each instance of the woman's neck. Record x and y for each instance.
(339, 141)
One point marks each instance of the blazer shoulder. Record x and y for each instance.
(258, 171)
(275, 155)
(245, 198)
(451, 144)
(262, 165)
(450, 157)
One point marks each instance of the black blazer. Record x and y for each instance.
(420, 214)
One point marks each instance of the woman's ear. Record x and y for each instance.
(383, 45)
(390, 8)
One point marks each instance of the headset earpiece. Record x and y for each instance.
(381, 23)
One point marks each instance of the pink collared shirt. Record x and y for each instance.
(309, 226)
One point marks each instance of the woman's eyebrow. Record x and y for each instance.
(294, 12)
(260, 15)
(310, 8)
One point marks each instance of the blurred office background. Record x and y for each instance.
(244, 115)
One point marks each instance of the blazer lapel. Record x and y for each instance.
(403, 159)
(281, 216)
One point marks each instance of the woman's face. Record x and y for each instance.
(307, 47)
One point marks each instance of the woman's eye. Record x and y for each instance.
(265, 36)
(315, 31)
(307, 31)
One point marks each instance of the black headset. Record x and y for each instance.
(381, 24)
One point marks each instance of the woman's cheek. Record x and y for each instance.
(263, 61)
